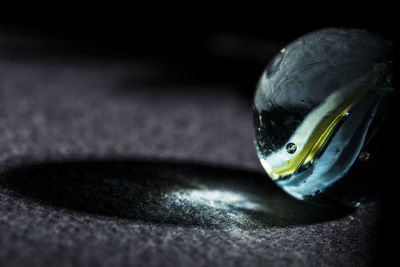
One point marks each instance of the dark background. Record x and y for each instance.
(188, 38)
(191, 35)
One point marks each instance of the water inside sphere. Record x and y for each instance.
(317, 105)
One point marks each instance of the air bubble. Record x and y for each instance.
(364, 156)
(291, 148)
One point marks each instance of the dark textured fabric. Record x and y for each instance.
(115, 162)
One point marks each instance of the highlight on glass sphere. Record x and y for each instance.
(317, 109)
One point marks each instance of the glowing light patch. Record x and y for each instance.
(219, 199)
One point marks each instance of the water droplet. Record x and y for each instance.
(364, 156)
(291, 148)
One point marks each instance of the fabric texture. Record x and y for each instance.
(113, 161)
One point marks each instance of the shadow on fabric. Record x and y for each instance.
(163, 192)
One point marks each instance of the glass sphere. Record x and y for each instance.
(317, 109)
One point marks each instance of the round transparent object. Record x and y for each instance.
(318, 110)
